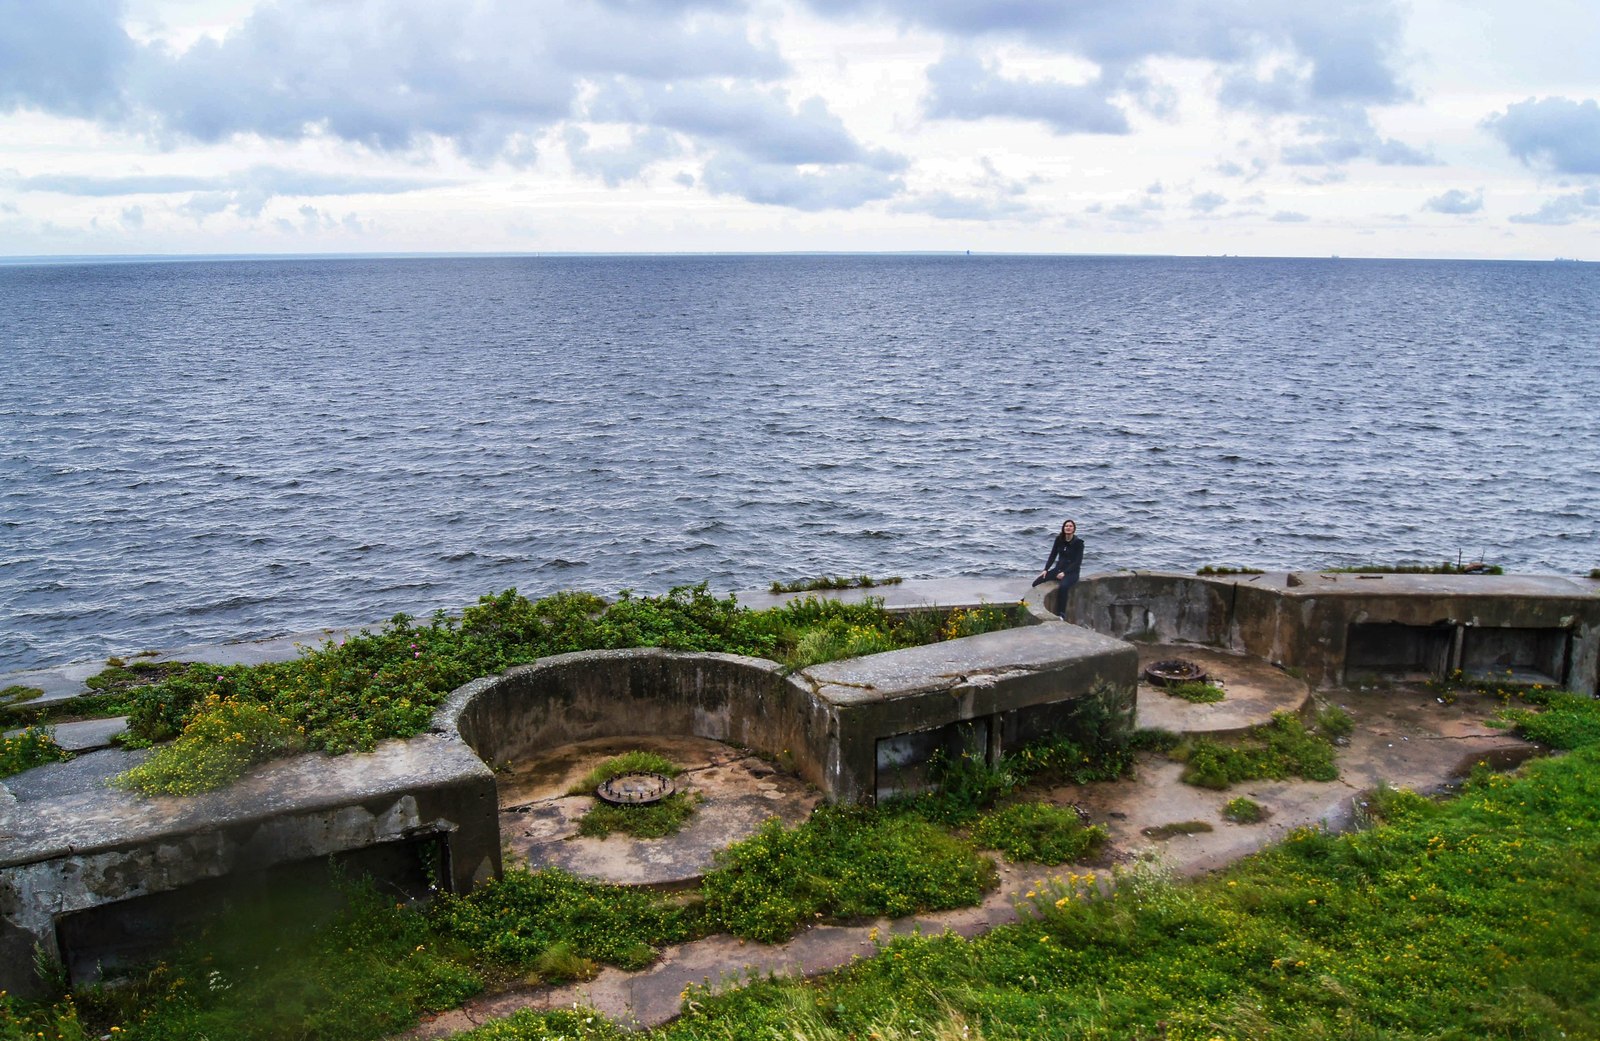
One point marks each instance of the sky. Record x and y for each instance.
(1429, 128)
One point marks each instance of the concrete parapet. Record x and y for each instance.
(70, 847)
(1339, 627)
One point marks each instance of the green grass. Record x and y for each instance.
(1038, 833)
(806, 585)
(1441, 568)
(1470, 919)
(1276, 750)
(843, 863)
(654, 820)
(633, 761)
(1195, 692)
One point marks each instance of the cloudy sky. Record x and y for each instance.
(1427, 128)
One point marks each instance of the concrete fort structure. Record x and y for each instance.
(94, 876)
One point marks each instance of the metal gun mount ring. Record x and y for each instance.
(1173, 671)
(636, 789)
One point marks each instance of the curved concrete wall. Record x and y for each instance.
(592, 694)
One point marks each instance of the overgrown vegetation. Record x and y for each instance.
(1442, 568)
(633, 761)
(28, 748)
(1039, 833)
(1471, 918)
(519, 921)
(654, 820)
(845, 862)
(1276, 750)
(348, 695)
(806, 585)
(1195, 691)
(1244, 810)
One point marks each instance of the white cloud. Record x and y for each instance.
(1564, 209)
(1558, 133)
(1456, 201)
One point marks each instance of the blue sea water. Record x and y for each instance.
(205, 450)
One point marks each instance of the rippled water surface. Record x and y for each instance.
(203, 450)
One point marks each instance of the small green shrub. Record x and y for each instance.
(1195, 692)
(1038, 833)
(1220, 571)
(633, 761)
(29, 748)
(647, 821)
(1244, 810)
(845, 862)
(1335, 721)
(222, 740)
(1397, 805)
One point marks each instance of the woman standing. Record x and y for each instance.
(1066, 558)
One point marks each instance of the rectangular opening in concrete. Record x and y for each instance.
(1393, 650)
(104, 940)
(1520, 655)
(906, 762)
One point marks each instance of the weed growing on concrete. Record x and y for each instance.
(654, 820)
(29, 748)
(219, 743)
(633, 761)
(1195, 692)
(1209, 571)
(1244, 810)
(1282, 748)
(1162, 832)
(347, 695)
(17, 693)
(1038, 833)
(845, 862)
(806, 585)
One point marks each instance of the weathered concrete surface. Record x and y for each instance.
(1409, 741)
(908, 595)
(68, 843)
(1019, 683)
(1539, 626)
(737, 793)
(85, 735)
(529, 710)
(1255, 690)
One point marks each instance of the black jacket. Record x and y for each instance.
(1066, 557)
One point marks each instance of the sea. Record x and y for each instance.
(202, 450)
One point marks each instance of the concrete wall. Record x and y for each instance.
(1304, 620)
(68, 844)
(590, 694)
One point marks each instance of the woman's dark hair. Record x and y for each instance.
(1063, 529)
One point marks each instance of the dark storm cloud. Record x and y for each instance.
(1558, 133)
(65, 57)
(962, 87)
